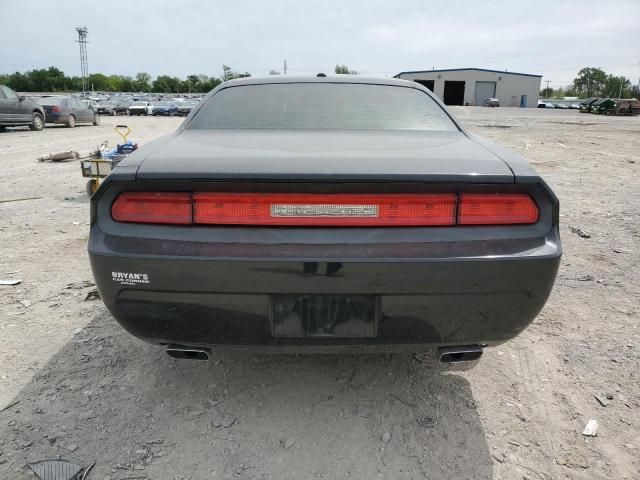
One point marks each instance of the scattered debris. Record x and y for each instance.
(412, 405)
(585, 278)
(92, 295)
(72, 447)
(288, 443)
(60, 157)
(581, 233)
(386, 437)
(10, 282)
(79, 285)
(224, 420)
(20, 199)
(58, 469)
(426, 422)
(572, 459)
(7, 407)
(591, 430)
(499, 457)
(603, 401)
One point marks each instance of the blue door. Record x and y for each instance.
(523, 101)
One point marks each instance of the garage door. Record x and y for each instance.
(485, 90)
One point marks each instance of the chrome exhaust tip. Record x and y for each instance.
(188, 353)
(469, 353)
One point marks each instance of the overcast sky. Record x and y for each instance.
(551, 38)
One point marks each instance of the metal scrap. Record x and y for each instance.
(60, 157)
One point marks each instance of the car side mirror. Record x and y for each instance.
(21, 98)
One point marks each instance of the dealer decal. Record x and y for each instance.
(127, 278)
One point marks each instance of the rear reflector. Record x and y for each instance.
(145, 207)
(324, 209)
(496, 209)
(349, 210)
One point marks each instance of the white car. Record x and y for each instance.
(141, 108)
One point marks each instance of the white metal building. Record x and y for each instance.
(471, 86)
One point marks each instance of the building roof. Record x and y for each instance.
(475, 69)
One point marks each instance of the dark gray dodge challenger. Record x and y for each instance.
(334, 214)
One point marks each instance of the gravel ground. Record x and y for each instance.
(72, 383)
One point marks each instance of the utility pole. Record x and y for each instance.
(620, 92)
(285, 66)
(84, 64)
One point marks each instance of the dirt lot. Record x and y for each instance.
(89, 392)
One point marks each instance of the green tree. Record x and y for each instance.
(617, 87)
(590, 82)
(546, 92)
(344, 70)
(142, 82)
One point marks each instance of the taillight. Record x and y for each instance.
(349, 210)
(496, 209)
(55, 109)
(145, 207)
(324, 209)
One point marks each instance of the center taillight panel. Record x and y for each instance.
(339, 210)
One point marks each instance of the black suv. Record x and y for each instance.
(16, 111)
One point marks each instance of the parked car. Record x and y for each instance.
(141, 108)
(164, 108)
(280, 215)
(112, 107)
(68, 111)
(542, 104)
(16, 110)
(491, 102)
(185, 108)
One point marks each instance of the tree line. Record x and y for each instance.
(594, 82)
(53, 79)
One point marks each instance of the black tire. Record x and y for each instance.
(2, 128)
(70, 122)
(91, 187)
(37, 123)
(96, 119)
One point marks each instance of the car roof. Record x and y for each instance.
(357, 79)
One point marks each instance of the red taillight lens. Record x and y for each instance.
(349, 210)
(55, 109)
(161, 207)
(324, 209)
(496, 209)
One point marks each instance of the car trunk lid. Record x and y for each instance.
(323, 156)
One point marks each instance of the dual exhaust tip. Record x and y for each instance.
(461, 354)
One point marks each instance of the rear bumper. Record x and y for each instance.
(211, 294)
(55, 118)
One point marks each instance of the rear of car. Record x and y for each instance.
(56, 109)
(324, 214)
(164, 109)
(69, 111)
(140, 108)
(16, 110)
(185, 108)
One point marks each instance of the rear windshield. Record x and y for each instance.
(321, 106)
(51, 101)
